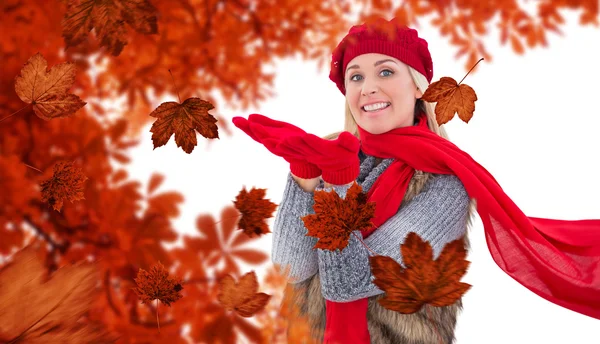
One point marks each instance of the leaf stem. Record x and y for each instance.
(14, 113)
(368, 248)
(470, 70)
(32, 168)
(174, 84)
(157, 322)
(430, 317)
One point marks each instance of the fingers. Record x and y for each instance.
(271, 123)
(348, 141)
(244, 125)
(345, 140)
(302, 145)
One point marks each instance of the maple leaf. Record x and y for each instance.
(37, 308)
(242, 296)
(223, 244)
(46, 90)
(183, 120)
(66, 184)
(335, 218)
(451, 98)
(423, 280)
(157, 285)
(108, 18)
(255, 209)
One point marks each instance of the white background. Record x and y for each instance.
(535, 128)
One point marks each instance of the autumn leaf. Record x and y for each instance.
(37, 308)
(47, 89)
(108, 19)
(451, 98)
(242, 297)
(157, 285)
(335, 219)
(65, 184)
(183, 120)
(255, 209)
(423, 281)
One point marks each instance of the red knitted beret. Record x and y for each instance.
(383, 37)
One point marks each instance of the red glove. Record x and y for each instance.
(337, 159)
(270, 133)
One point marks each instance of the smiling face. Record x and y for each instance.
(380, 92)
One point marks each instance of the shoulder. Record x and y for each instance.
(446, 188)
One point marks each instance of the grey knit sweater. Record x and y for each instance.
(438, 214)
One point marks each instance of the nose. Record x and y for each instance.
(369, 87)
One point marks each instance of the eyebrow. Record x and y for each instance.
(374, 65)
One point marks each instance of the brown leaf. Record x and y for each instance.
(183, 120)
(47, 89)
(242, 297)
(66, 184)
(335, 218)
(451, 98)
(37, 308)
(108, 18)
(157, 284)
(255, 210)
(423, 280)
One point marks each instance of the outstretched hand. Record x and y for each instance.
(270, 133)
(337, 159)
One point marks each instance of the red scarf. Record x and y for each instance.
(556, 259)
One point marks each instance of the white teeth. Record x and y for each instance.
(373, 107)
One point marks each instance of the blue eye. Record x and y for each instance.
(352, 77)
(390, 73)
(387, 70)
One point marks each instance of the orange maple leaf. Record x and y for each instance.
(66, 184)
(451, 98)
(47, 89)
(423, 280)
(242, 296)
(108, 18)
(37, 308)
(157, 285)
(183, 120)
(224, 243)
(255, 210)
(335, 218)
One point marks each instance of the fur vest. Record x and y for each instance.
(305, 305)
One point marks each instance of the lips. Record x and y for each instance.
(375, 112)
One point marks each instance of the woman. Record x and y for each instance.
(393, 147)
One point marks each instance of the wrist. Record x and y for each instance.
(343, 176)
(305, 170)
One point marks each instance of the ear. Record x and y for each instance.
(418, 93)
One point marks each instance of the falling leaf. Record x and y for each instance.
(255, 209)
(242, 297)
(183, 120)
(423, 281)
(224, 243)
(37, 308)
(108, 18)
(335, 218)
(47, 89)
(451, 98)
(65, 184)
(157, 285)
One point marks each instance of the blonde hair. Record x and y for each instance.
(422, 83)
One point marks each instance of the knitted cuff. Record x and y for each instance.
(343, 176)
(305, 170)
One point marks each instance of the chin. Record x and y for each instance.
(375, 130)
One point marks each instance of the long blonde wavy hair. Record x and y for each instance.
(421, 82)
